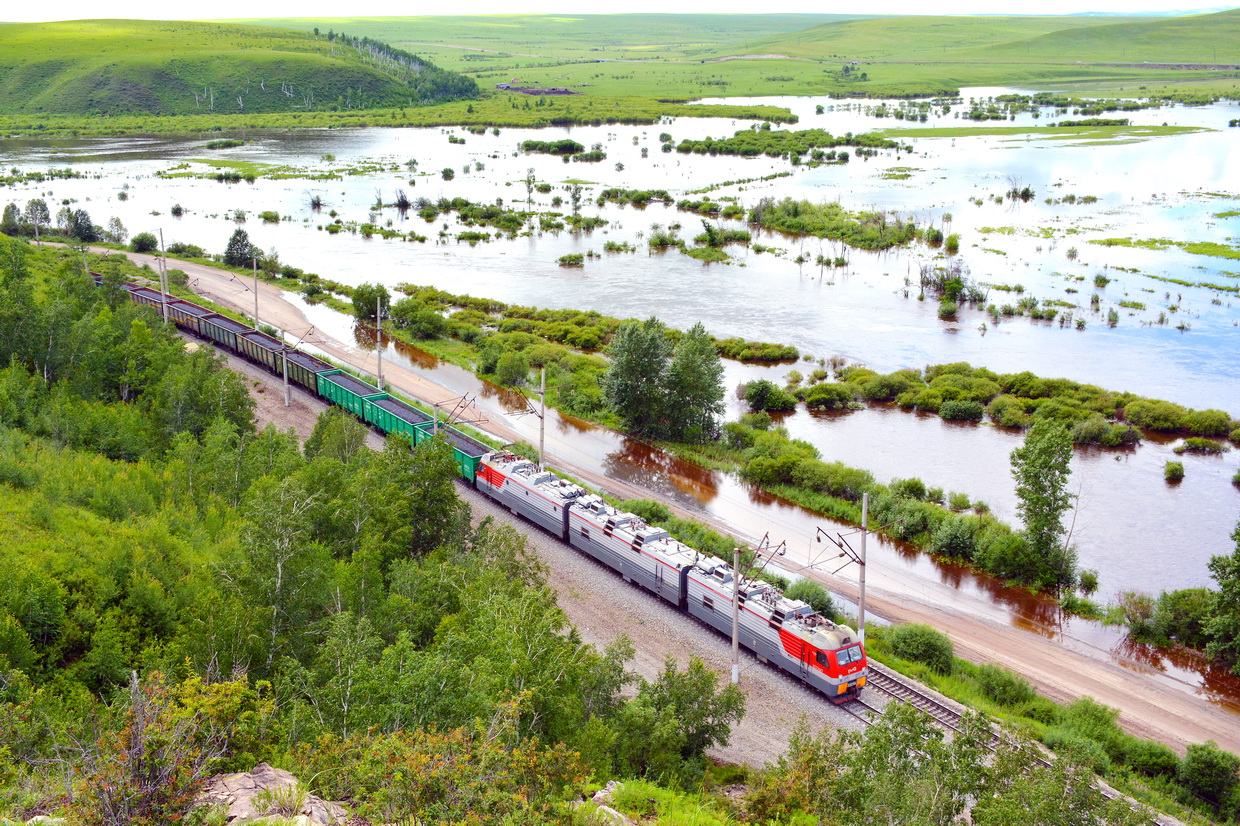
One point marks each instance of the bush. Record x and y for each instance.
(766, 395)
(1150, 758)
(1196, 444)
(828, 396)
(573, 259)
(1173, 471)
(813, 594)
(962, 410)
(1080, 748)
(1208, 771)
(1207, 422)
(270, 217)
(956, 501)
(512, 369)
(911, 488)
(1003, 686)
(1155, 415)
(144, 242)
(922, 644)
(955, 537)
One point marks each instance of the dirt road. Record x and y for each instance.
(1149, 708)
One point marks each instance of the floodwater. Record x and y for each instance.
(1137, 531)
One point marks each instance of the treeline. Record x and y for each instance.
(762, 140)
(429, 83)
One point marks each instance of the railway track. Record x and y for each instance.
(901, 691)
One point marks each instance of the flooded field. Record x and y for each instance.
(1170, 341)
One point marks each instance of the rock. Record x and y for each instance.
(236, 793)
(612, 817)
(604, 794)
(45, 820)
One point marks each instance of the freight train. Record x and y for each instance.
(780, 631)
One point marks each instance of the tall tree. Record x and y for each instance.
(1223, 627)
(694, 387)
(633, 383)
(37, 214)
(1040, 467)
(239, 251)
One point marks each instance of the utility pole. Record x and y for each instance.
(851, 556)
(379, 336)
(736, 616)
(542, 420)
(254, 260)
(163, 274)
(865, 529)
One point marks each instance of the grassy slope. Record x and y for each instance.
(914, 38)
(564, 37)
(1204, 38)
(127, 66)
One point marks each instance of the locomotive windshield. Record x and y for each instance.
(851, 654)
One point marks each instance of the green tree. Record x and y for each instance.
(694, 387)
(239, 252)
(369, 299)
(1209, 771)
(117, 233)
(512, 369)
(633, 384)
(1223, 626)
(1040, 468)
(37, 214)
(11, 221)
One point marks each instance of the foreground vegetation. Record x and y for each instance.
(189, 595)
(186, 595)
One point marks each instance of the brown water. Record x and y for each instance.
(1137, 531)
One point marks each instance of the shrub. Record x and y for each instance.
(573, 259)
(813, 594)
(1003, 686)
(922, 644)
(911, 488)
(1207, 422)
(828, 396)
(512, 369)
(955, 537)
(177, 210)
(956, 501)
(1196, 444)
(144, 242)
(1155, 415)
(269, 217)
(766, 395)
(948, 308)
(1150, 758)
(1208, 771)
(962, 410)
(1090, 431)
(1078, 747)
(1173, 471)
(1088, 582)
(953, 243)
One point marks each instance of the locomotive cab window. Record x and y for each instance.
(851, 654)
(821, 657)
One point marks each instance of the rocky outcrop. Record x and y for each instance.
(246, 796)
(602, 799)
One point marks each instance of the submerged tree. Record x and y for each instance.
(633, 384)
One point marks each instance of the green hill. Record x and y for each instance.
(113, 67)
(1202, 38)
(1206, 38)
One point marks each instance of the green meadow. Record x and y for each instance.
(159, 77)
(120, 67)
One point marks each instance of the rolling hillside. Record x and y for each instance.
(1206, 38)
(115, 67)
